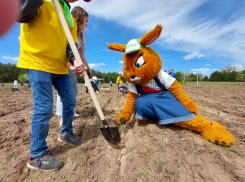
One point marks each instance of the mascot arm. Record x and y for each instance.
(128, 109)
(180, 95)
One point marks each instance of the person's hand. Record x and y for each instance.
(78, 69)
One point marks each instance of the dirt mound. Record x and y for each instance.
(146, 153)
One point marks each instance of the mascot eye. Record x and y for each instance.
(140, 61)
(124, 66)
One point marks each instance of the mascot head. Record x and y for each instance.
(140, 63)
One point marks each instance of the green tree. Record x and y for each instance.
(193, 77)
(229, 69)
(215, 76)
(23, 78)
(9, 72)
(233, 76)
(205, 78)
(179, 77)
(243, 73)
(224, 75)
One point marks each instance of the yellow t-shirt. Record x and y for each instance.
(119, 80)
(43, 42)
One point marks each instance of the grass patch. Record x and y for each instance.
(237, 152)
(84, 98)
(86, 131)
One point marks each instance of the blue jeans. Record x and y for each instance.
(42, 93)
(59, 105)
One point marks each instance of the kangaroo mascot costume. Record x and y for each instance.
(157, 96)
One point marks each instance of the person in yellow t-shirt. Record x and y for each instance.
(119, 81)
(44, 53)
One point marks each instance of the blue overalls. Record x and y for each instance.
(161, 106)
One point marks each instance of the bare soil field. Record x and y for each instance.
(147, 153)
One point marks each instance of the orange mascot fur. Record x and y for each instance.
(157, 96)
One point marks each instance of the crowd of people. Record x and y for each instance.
(171, 73)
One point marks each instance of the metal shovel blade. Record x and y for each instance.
(111, 134)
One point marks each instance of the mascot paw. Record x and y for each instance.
(142, 121)
(124, 116)
(219, 135)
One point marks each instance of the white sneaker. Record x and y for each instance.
(75, 114)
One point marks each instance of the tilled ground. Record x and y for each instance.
(146, 153)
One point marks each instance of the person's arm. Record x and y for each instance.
(78, 69)
(28, 10)
(81, 51)
(69, 54)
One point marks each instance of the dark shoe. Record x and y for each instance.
(44, 163)
(71, 139)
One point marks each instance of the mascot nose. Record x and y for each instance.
(133, 77)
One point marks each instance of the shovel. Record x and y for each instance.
(111, 134)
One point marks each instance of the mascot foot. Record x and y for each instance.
(218, 134)
(210, 130)
(142, 121)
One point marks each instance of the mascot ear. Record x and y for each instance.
(151, 36)
(117, 47)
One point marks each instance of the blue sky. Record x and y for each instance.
(199, 36)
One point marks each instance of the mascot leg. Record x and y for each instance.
(210, 130)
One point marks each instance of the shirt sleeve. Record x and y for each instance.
(166, 79)
(132, 88)
(28, 10)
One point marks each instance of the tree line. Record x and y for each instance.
(226, 74)
(10, 72)
(107, 76)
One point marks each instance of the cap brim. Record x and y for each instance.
(132, 51)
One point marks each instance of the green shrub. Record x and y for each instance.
(23, 78)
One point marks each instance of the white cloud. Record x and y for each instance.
(11, 58)
(184, 29)
(204, 71)
(193, 55)
(96, 65)
(239, 67)
(233, 16)
(121, 62)
(200, 56)
(19, 37)
(207, 64)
